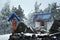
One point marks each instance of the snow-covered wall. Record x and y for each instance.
(49, 24)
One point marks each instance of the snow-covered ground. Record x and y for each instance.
(4, 37)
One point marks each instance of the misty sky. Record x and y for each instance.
(28, 5)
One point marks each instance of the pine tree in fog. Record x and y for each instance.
(18, 11)
(5, 26)
(6, 10)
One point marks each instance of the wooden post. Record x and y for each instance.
(14, 25)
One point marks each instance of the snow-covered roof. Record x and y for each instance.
(14, 16)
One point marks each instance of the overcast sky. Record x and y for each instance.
(28, 5)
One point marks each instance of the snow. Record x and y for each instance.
(30, 34)
(4, 37)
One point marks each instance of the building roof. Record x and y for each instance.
(43, 17)
(14, 16)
